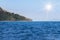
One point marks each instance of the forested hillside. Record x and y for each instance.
(8, 16)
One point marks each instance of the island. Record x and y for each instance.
(9, 16)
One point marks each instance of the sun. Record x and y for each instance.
(48, 7)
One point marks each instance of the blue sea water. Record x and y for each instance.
(30, 30)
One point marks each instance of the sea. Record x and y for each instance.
(36, 30)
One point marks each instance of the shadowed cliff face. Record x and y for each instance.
(8, 16)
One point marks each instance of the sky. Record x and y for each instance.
(34, 9)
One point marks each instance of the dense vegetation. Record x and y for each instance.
(8, 16)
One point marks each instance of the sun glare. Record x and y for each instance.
(48, 7)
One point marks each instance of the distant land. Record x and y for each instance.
(8, 16)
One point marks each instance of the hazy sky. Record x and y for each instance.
(34, 9)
